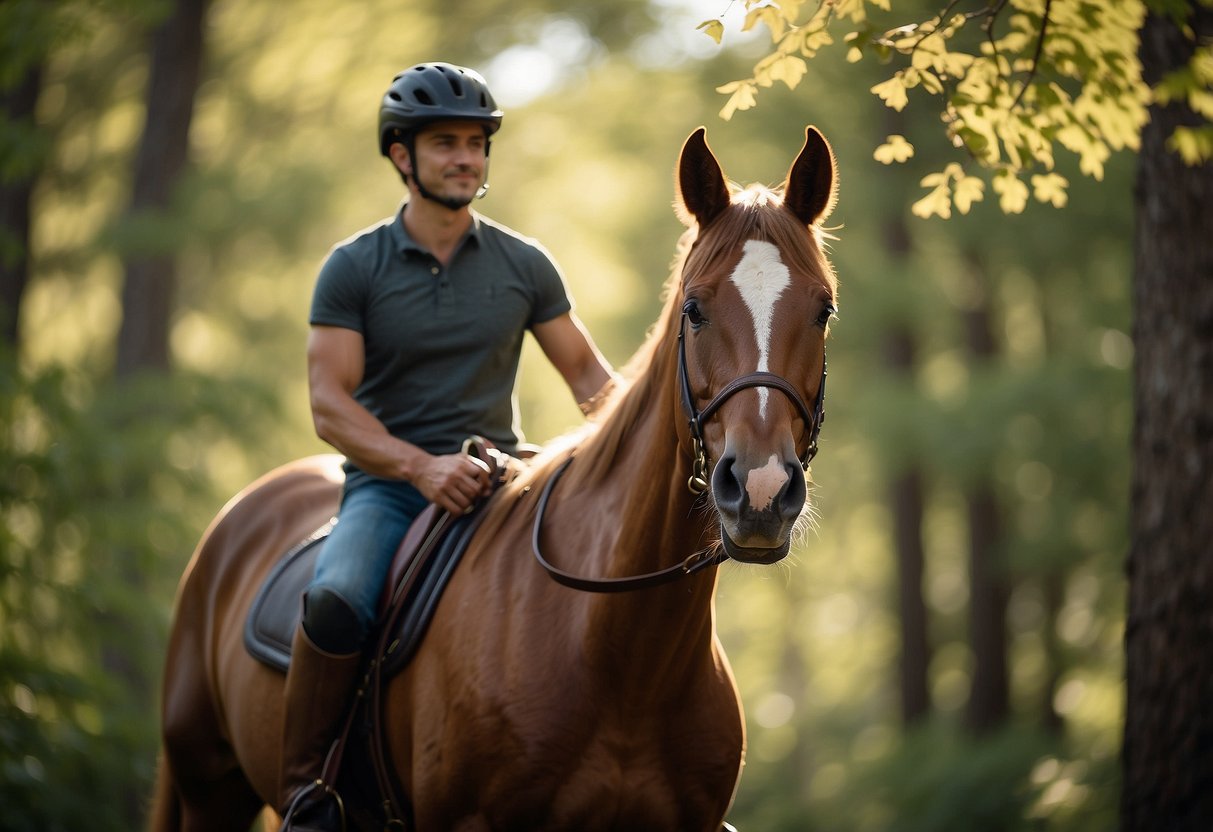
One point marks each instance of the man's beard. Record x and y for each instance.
(454, 203)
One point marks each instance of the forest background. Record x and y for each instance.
(945, 651)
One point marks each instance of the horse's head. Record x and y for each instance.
(757, 298)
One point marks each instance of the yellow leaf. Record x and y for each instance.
(713, 28)
(790, 69)
(892, 92)
(938, 201)
(931, 83)
(1051, 188)
(771, 16)
(969, 189)
(895, 149)
(1013, 194)
(1193, 144)
(743, 98)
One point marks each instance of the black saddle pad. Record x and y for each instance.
(277, 609)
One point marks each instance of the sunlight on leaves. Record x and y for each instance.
(937, 203)
(892, 92)
(1193, 144)
(744, 96)
(1013, 193)
(895, 149)
(713, 28)
(1050, 188)
(969, 189)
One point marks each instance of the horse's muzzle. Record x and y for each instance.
(758, 506)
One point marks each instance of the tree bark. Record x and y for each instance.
(150, 280)
(906, 501)
(17, 105)
(989, 590)
(1168, 742)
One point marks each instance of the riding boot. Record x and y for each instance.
(318, 690)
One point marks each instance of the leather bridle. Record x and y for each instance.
(698, 482)
(701, 465)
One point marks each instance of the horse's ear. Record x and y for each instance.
(812, 184)
(702, 192)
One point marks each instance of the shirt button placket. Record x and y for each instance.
(446, 296)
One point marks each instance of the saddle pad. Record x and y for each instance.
(277, 610)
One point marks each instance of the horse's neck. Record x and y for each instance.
(639, 517)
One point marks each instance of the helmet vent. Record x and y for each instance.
(456, 87)
(424, 97)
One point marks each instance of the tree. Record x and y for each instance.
(1012, 83)
(1168, 750)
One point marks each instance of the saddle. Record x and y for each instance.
(420, 570)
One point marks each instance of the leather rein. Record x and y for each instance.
(698, 481)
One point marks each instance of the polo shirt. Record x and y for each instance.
(442, 343)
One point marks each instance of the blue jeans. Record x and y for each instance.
(354, 561)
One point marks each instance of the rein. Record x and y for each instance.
(692, 564)
(698, 481)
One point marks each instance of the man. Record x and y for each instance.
(417, 326)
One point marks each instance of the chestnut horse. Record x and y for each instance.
(533, 704)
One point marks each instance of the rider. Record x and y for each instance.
(416, 330)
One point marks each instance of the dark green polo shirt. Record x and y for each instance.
(442, 344)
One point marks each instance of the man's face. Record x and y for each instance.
(450, 160)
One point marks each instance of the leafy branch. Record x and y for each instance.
(1043, 76)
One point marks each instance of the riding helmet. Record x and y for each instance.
(433, 92)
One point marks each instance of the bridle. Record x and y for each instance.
(697, 483)
(701, 465)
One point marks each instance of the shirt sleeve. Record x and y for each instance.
(338, 299)
(551, 293)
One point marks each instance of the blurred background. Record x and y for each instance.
(944, 651)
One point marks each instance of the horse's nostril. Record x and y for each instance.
(797, 491)
(726, 488)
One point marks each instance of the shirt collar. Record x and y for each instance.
(404, 242)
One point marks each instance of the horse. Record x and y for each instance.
(580, 684)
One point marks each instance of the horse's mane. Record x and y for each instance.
(755, 212)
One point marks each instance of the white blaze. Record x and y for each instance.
(761, 277)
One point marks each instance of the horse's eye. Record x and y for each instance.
(828, 311)
(691, 310)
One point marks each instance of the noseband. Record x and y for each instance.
(698, 481)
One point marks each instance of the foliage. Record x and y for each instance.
(111, 487)
(88, 562)
(1011, 84)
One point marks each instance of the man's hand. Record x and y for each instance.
(453, 481)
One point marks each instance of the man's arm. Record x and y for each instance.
(336, 362)
(568, 346)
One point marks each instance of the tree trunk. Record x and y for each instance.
(1168, 747)
(989, 592)
(17, 106)
(150, 280)
(906, 501)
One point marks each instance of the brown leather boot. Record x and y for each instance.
(318, 691)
